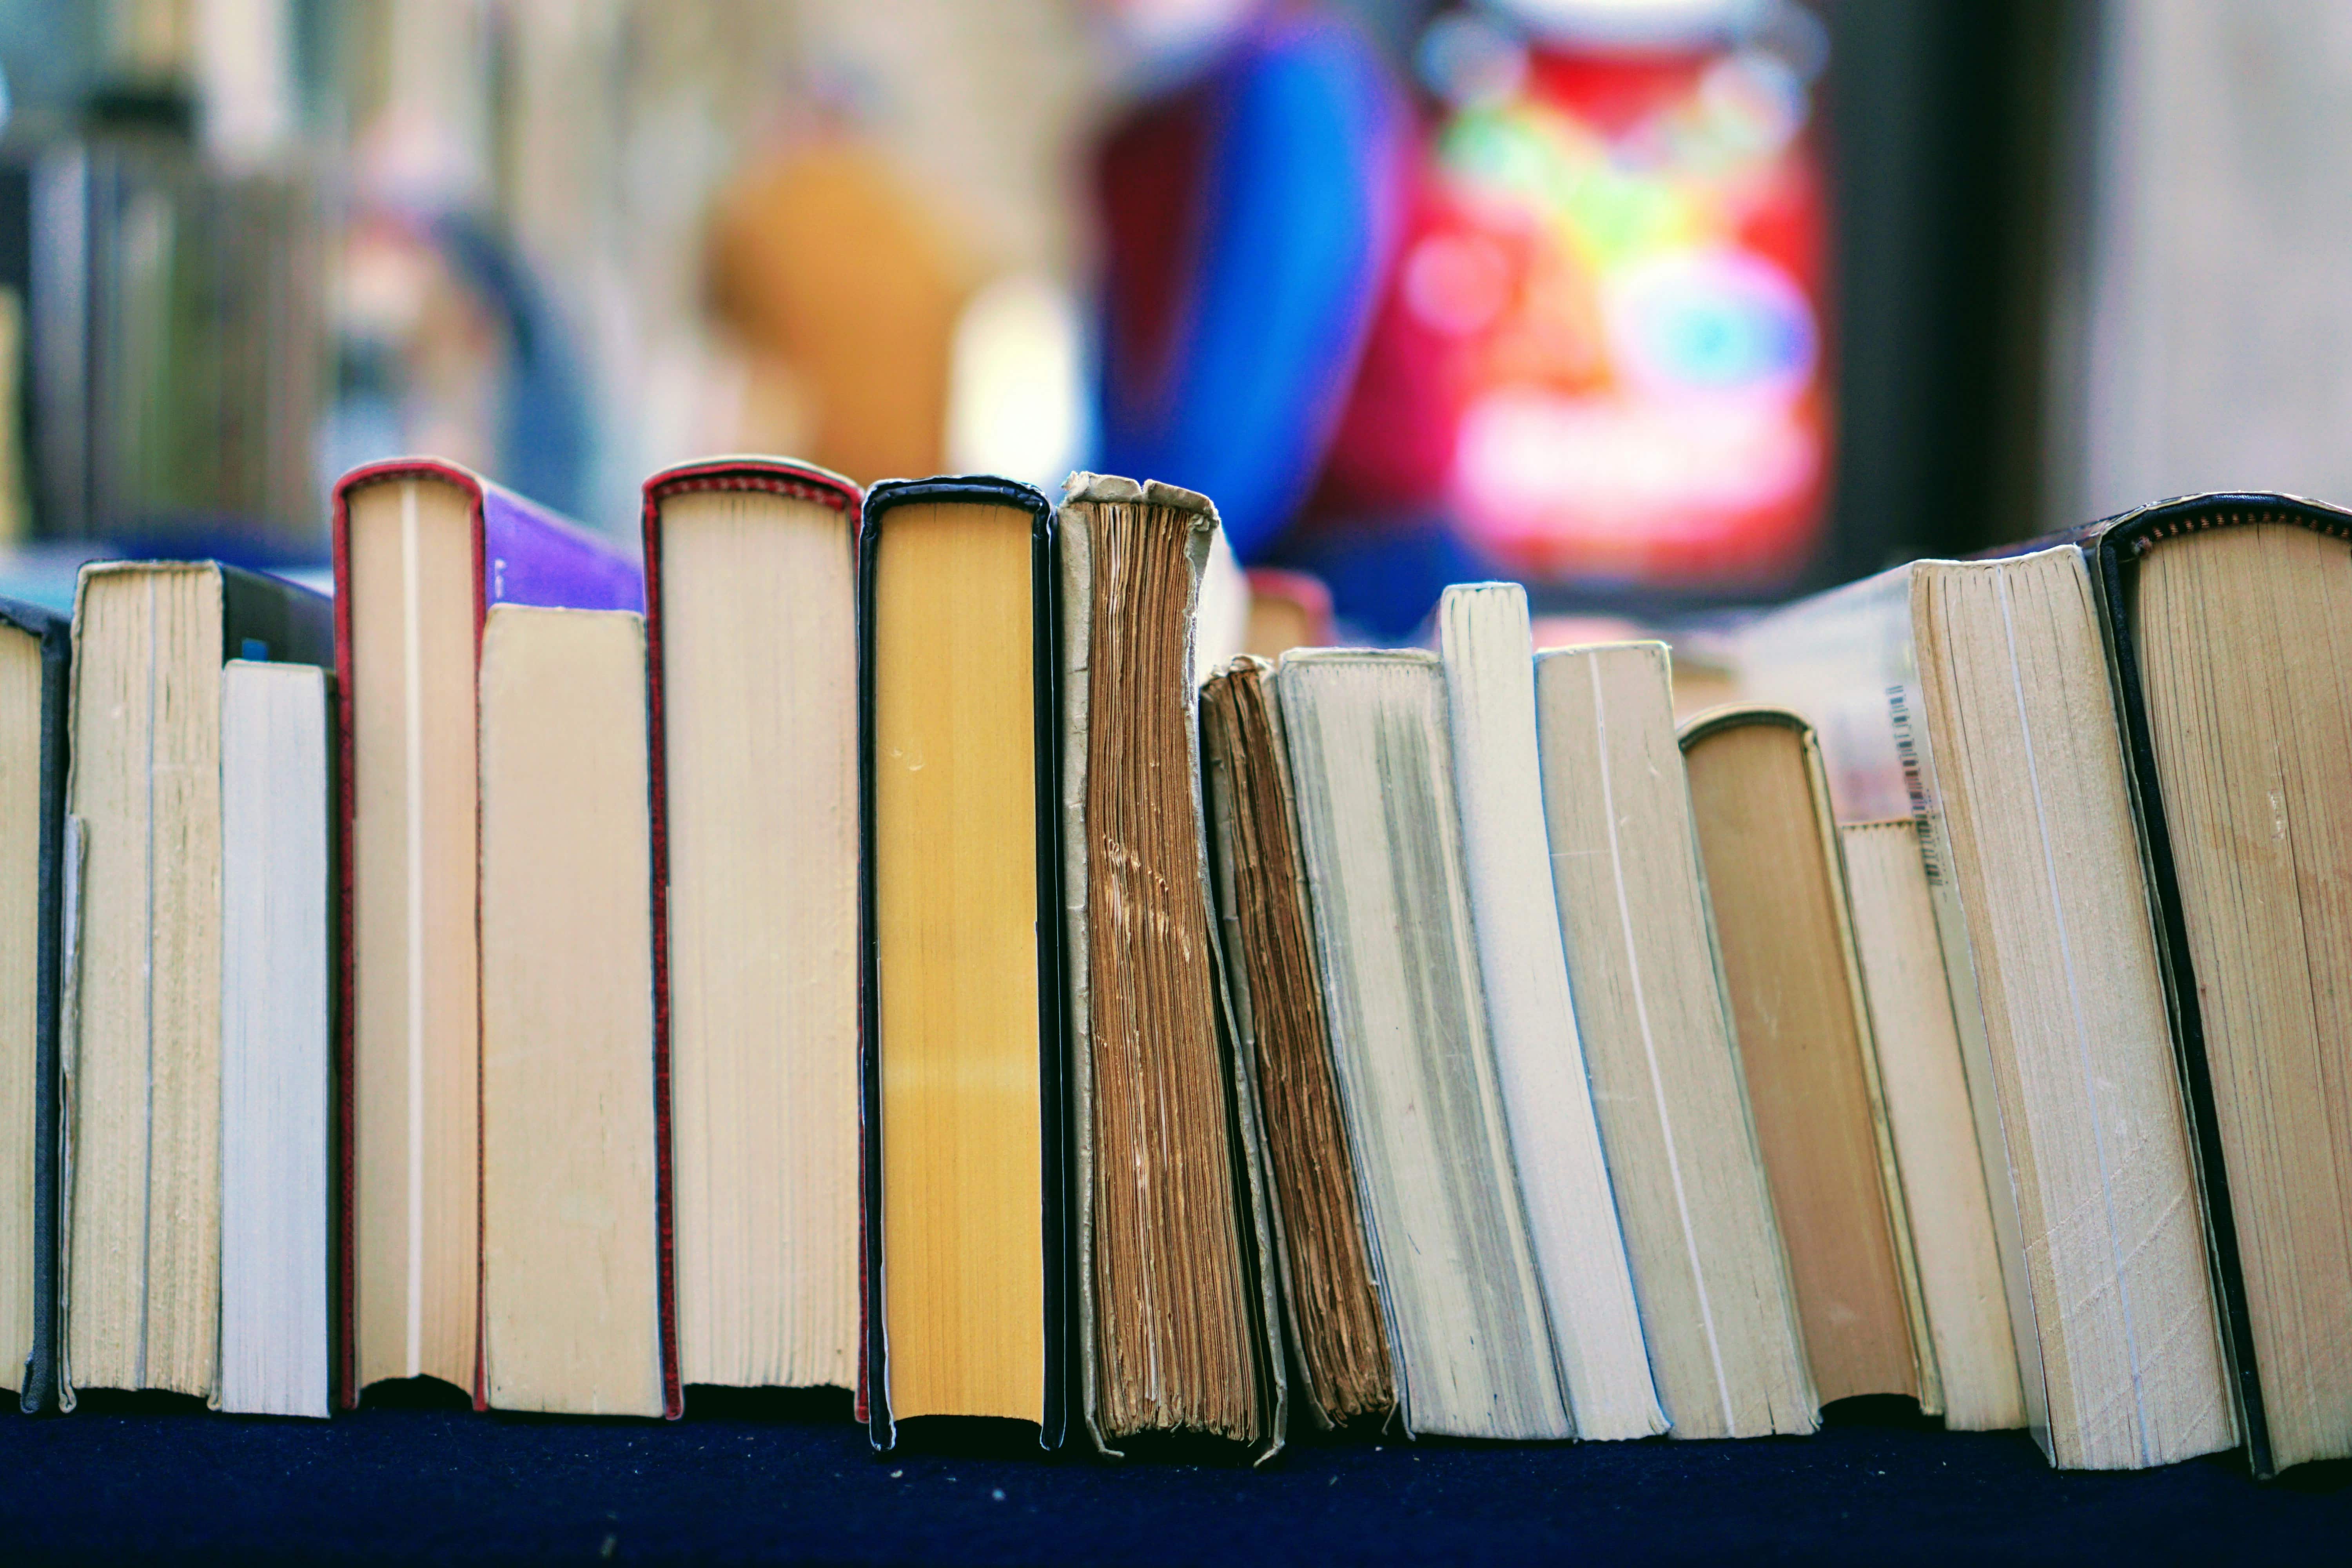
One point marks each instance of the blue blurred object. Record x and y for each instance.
(1250, 218)
(544, 437)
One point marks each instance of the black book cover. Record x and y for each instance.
(874, 1362)
(266, 618)
(55, 633)
(2114, 548)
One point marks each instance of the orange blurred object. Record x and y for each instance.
(844, 292)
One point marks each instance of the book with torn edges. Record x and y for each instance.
(751, 695)
(422, 550)
(1331, 1305)
(1718, 1313)
(1175, 1265)
(1777, 887)
(140, 1230)
(36, 654)
(574, 1304)
(1928, 1114)
(277, 978)
(1976, 696)
(1596, 1329)
(1371, 762)
(963, 1082)
(2228, 631)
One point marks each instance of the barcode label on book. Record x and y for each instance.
(1906, 747)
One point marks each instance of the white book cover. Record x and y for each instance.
(1484, 645)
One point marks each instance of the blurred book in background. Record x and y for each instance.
(175, 350)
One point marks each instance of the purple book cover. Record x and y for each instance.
(529, 555)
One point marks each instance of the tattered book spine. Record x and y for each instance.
(1087, 509)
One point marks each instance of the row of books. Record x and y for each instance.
(888, 944)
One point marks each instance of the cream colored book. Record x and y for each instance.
(1596, 1328)
(1371, 761)
(276, 1191)
(1777, 887)
(141, 1228)
(1718, 1311)
(752, 663)
(1928, 1114)
(570, 1275)
(1976, 696)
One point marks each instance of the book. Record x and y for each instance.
(140, 1232)
(1174, 1262)
(36, 655)
(1371, 762)
(2225, 619)
(1976, 696)
(1331, 1307)
(1933, 1126)
(422, 550)
(964, 1097)
(1776, 888)
(1718, 1313)
(275, 978)
(573, 1317)
(752, 693)
(1596, 1328)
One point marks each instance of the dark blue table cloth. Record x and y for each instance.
(750, 1479)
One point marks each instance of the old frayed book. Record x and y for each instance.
(573, 1293)
(1371, 761)
(1331, 1308)
(1174, 1264)
(1977, 695)
(964, 1095)
(1778, 891)
(1933, 1125)
(35, 646)
(2228, 616)
(1596, 1329)
(422, 549)
(276, 832)
(751, 660)
(1717, 1312)
(140, 1231)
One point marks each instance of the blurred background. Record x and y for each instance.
(1655, 305)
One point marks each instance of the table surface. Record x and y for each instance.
(753, 1477)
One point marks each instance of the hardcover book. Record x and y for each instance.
(36, 654)
(964, 1083)
(752, 693)
(1175, 1267)
(1777, 886)
(139, 1235)
(2227, 627)
(421, 551)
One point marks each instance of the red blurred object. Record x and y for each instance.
(1604, 347)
